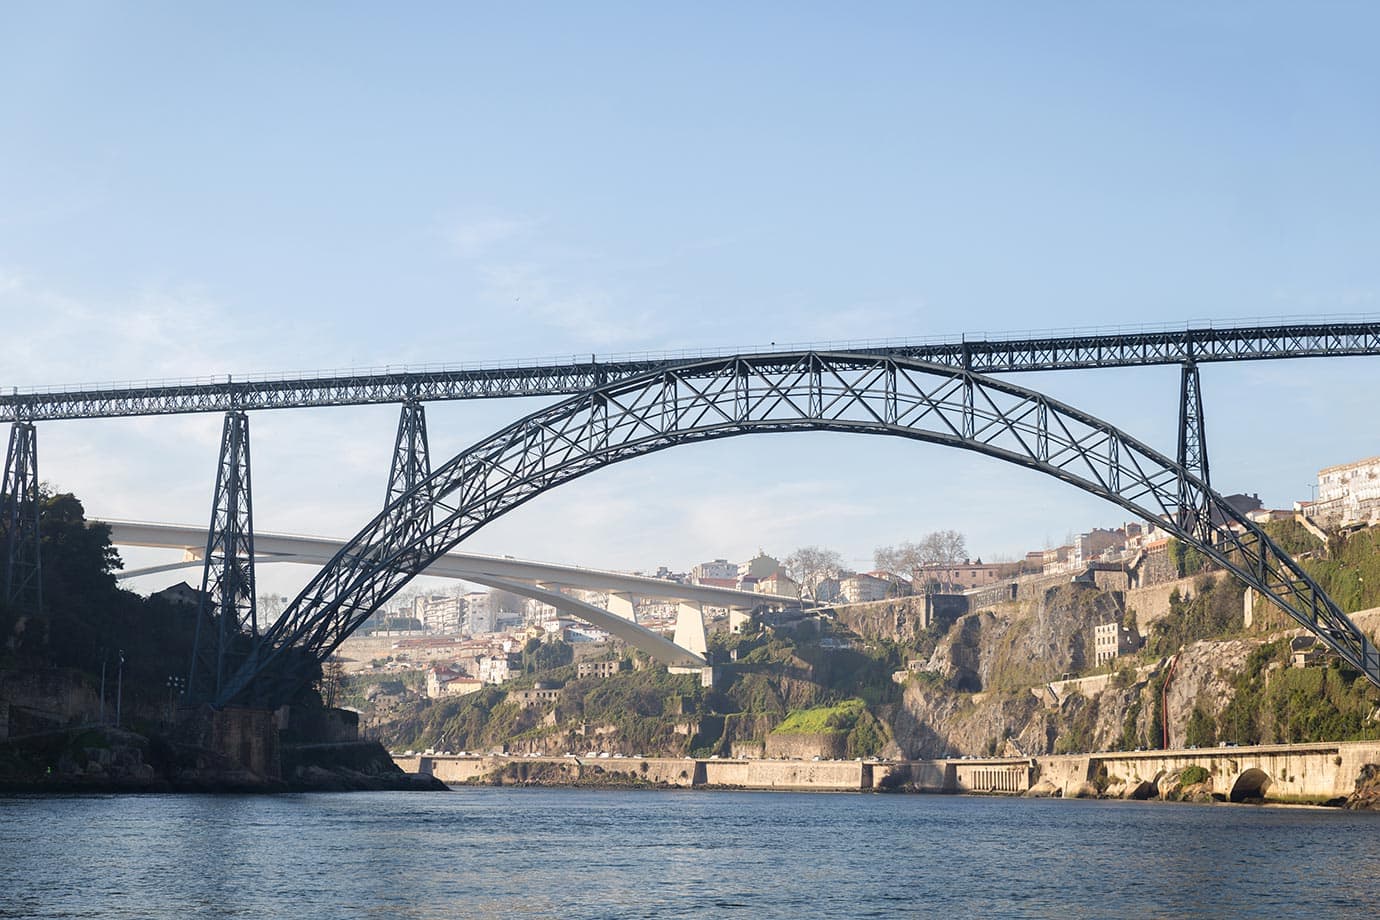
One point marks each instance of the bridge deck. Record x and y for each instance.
(1002, 355)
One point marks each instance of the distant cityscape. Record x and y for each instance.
(469, 639)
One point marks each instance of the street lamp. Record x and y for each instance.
(176, 686)
(119, 688)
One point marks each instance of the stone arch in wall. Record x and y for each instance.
(1250, 785)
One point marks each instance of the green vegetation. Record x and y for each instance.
(1187, 560)
(1350, 574)
(1079, 732)
(1213, 611)
(1292, 537)
(544, 656)
(1201, 730)
(840, 717)
(865, 736)
(1193, 774)
(1130, 740)
(1155, 734)
(853, 672)
(777, 683)
(1273, 703)
(87, 619)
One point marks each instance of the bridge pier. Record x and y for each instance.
(690, 627)
(411, 466)
(621, 605)
(19, 515)
(228, 614)
(1192, 455)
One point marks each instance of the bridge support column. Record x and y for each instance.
(19, 510)
(690, 627)
(227, 623)
(411, 455)
(1193, 452)
(621, 605)
(411, 466)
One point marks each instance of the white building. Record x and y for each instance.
(778, 583)
(1096, 543)
(495, 669)
(758, 567)
(1112, 640)
(440, 613)
(718, 569)
(1348, 493)
(480, 617)
(855, 589)
(443, 681)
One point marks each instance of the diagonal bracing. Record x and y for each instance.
(808, 391)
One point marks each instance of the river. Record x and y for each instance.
(566, 853)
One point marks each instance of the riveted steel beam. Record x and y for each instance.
(986, 356)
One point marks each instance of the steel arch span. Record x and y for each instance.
(802, 391)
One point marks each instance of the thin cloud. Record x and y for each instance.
(588, 315)
(473, 238)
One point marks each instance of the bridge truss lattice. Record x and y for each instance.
(777, 392)
(1069, 351)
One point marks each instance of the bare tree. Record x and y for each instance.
(810, 565)
(901, 559)
(505, 601)
(944, 547)
(939, 548)
(270, 607)
(332, 680)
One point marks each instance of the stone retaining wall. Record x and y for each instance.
(1299, 772)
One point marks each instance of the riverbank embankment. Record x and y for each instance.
(1324, 773)
(100, 758)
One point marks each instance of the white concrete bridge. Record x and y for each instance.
(537, 580)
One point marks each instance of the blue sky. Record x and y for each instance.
(188, 189)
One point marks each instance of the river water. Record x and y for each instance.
(566, 853)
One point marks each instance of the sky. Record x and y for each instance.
(195, 189)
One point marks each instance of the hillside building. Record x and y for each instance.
(445, 681)
(861, 587)
(480, 616)
(1112, 640)
(778, 583)
(719, 570)
(1348, 493)
(759, 566)
(1097, 543)
(600, 669)
(495, 669)
(962, 576)
(439, 613)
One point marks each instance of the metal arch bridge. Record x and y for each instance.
(807, 391)
(1138, 347)
(411, 503)
(518, 576)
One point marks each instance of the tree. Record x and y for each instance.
(270, 607)
(938, 548)
(501, 601)
(810, 565)
(540, 656)
(1201, 730)
(944, 547)
(332, 681)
